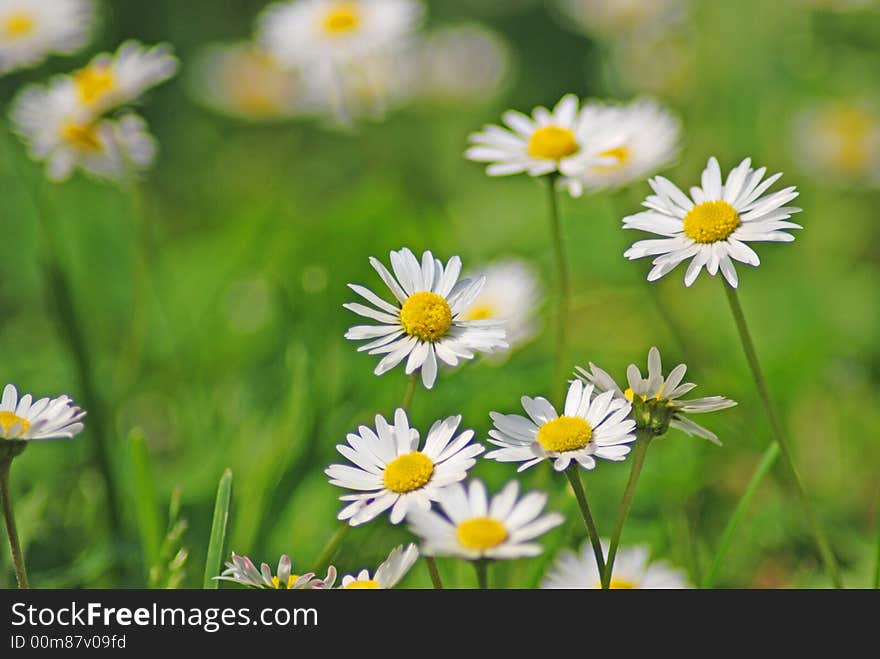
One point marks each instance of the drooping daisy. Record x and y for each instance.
(391, 471)
(242, 570)
(621, 19)
(713, 225)
(511, 293)
(31, 30)
(114, 79)
(425, 325)
(387, 575)
(473, 526)
(623, 143)
(658, 399)
(588, 428)
(24, 419)
(632, 570)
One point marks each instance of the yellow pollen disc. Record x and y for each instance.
(620, 153)
(552, 143)
(276, 582)
(8, 420)
(565, 433)
(93, 82)
(81, 136)
(426, 316)
(479, 312)
(852, 128)
(370, 584)
(342, 18)
(408, 472)
(621, 584)
(18, 24)
(711, 221)
(481, 533)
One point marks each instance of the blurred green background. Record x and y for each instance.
(230, 351)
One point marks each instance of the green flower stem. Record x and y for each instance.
(482, 568)
(331, 548)
(564, 293)
(11, 529)
(643, 439)
(767, 462)
(436, 581)
(779, 433)
(411, 384)
(574, 478)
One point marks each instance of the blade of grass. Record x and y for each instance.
(218, 531)
(149, 524)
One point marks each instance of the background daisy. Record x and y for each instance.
(387, 575)
(242, 570)
(31, 30)
(632, 570)
(26, 419)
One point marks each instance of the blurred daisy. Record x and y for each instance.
(24, 419)
(632, 570)
(623, 143)
(840, 142)
(387, 575)
(621, 19)
(243, 81)
(664, 64)
(511, 293)
(659, 394)
(31, 30)
(589, 428)
(425, 325)
(473, 526)
(111, 80)
(59, 131)
(712, 226)
(390, 471)
(242, 571)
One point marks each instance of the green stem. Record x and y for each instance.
(330, 548)
(767, 461)
(643, 439)
(482, 568)
(876, 584)
(11, 530)
(779, 433)
(411, 384)
(574, 478)
(564, 294)
(434, 572)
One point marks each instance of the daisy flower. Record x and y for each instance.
(588, 428)
(511, 293)
(658, 398)
(624, 143)
(242, 571)
(24, 419)
(425, 324)
(621, 19)
(387, 575)
(391, 471)
(474, 527)
(713, 225)
(632, 570)
(31, 30)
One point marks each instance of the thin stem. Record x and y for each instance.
(11, 530)
(767, 462)
(779, 433)
(330, 548)
(876, 584)
(482, 568)
(574, 478)
(434, 572)
(410, 391)
(643, 439)
(564, 293)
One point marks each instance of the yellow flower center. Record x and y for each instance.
(620, 153)
(18, 24)
(852, 128)
(408, 472)
(711, 221)
(621, 584)
(479, 312)
(552, 143)
(369, 584)
(276, 582)
(426, 316)
(565, 433)
(343, 17)
(481, 533)
(9, 420)
(93, 82)
(81, 136)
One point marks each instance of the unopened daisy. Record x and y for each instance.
(242, 570)
(512, 293)
(391, 472)
(387, 575)
(474, 526)
(31, 30)
(588, 428)
(713, 225)
(425, 323)
(633, 571)
(623, 143)
(24, 419)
